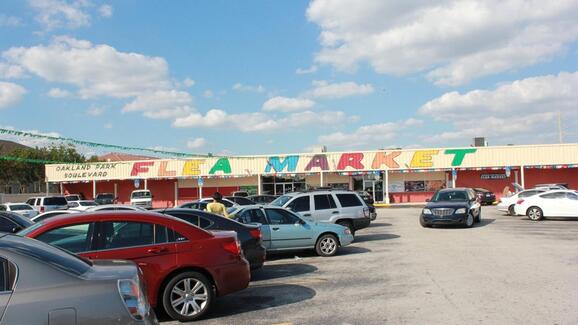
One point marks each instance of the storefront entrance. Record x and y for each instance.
(276, 185)
(371, 183)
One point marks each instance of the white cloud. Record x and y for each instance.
(161, 104)
(60, 13)
(188, 82)
(58, 93)
(324, 89)
(8, 71)
(97, 70)
(208, 94)
(95, 111)
(9, 21)
(105, 11)
(248, 88)
(452, 41)
(31, 142)
(311, 69)
(287, 104)
(259, 122)
(10, 94)
(373, 136)
(196, 143)
(523, 110)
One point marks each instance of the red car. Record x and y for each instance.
(184, 267)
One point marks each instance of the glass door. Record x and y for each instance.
(283, 188)
(374, 188)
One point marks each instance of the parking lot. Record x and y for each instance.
(503, 271)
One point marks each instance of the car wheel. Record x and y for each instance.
(470, 220)
(326, 245)
(479, 217)
(535, 213)
(511, 210)
(347, 224)
(188, 296)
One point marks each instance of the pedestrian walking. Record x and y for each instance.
(217, 206)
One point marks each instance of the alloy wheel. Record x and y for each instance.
(328, 245)
(189, 297)
(535, 214)
(470, 220)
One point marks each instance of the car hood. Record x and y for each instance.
(446, 204)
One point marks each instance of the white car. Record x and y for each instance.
(114, 207)
(559, 203)
(508, 203)
(142, 198)
(81, 205)
(23, 209)
(53, 213)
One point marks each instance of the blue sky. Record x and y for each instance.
(256, 77)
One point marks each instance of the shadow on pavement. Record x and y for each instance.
(379, 224)
(482, 223)
(269, 272)
(351, 250)
(373, 237)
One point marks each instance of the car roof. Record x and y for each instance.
(454, 189)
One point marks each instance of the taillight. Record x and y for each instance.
(232, 247)
(520, 201)
(41, 209)
(256, 233)
(134, 298)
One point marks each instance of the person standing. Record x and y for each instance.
(217, 206)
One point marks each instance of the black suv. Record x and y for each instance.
(453, 206)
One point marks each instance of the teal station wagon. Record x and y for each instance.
(283, 230)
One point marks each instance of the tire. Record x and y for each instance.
(327, 245)
(535, 213)
(511, 210)
(347, 224)
(479, 217)
(469, 223)
(199, 287)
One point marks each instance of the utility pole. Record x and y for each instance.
(560, 137)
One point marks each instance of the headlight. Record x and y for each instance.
(461, 211)
(426, 211)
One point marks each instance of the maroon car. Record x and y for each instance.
(185, 268)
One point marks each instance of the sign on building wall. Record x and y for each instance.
(441, 159)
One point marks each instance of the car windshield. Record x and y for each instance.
(72, 197)
(59, 200)
(105, 196)
(20, 207)
(141, 195)
(450, 196)
(280, 201)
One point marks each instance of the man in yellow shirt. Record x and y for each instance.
(217, 207)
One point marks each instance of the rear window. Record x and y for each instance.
(20, 207)
(45, 253)
(55, 201)
(349, 200)
(141, 195)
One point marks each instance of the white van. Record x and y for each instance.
(142, 199)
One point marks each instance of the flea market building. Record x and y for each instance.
(392, 176)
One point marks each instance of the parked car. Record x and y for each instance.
(344, 208)
(22, 209)
(249, 235)
(240, 193)
(105, 198)
(11, 222)
(41, 284)
(48, 203)
(453, 206)
(114, 207)
(53, 213)
(485, 197)
(202, 204)
(507, 203)
(262, 199)
(81, 205)
(74, 197)
(552, 186)
(284, 230)
(184, 267)
(557, 203)
(240, 200)
(142, 199)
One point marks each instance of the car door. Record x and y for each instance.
(257, 215)
(146, 244)
(288, 230)
(571, 205)
(76, 238)
(324, 208)
(550, 203)
(302, 206)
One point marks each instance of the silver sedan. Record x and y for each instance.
(42, 284)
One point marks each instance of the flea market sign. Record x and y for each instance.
(442, 159)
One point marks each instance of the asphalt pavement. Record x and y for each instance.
(505, 270)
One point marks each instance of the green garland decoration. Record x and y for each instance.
(33, 161)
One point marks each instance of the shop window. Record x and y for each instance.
(415, 186)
